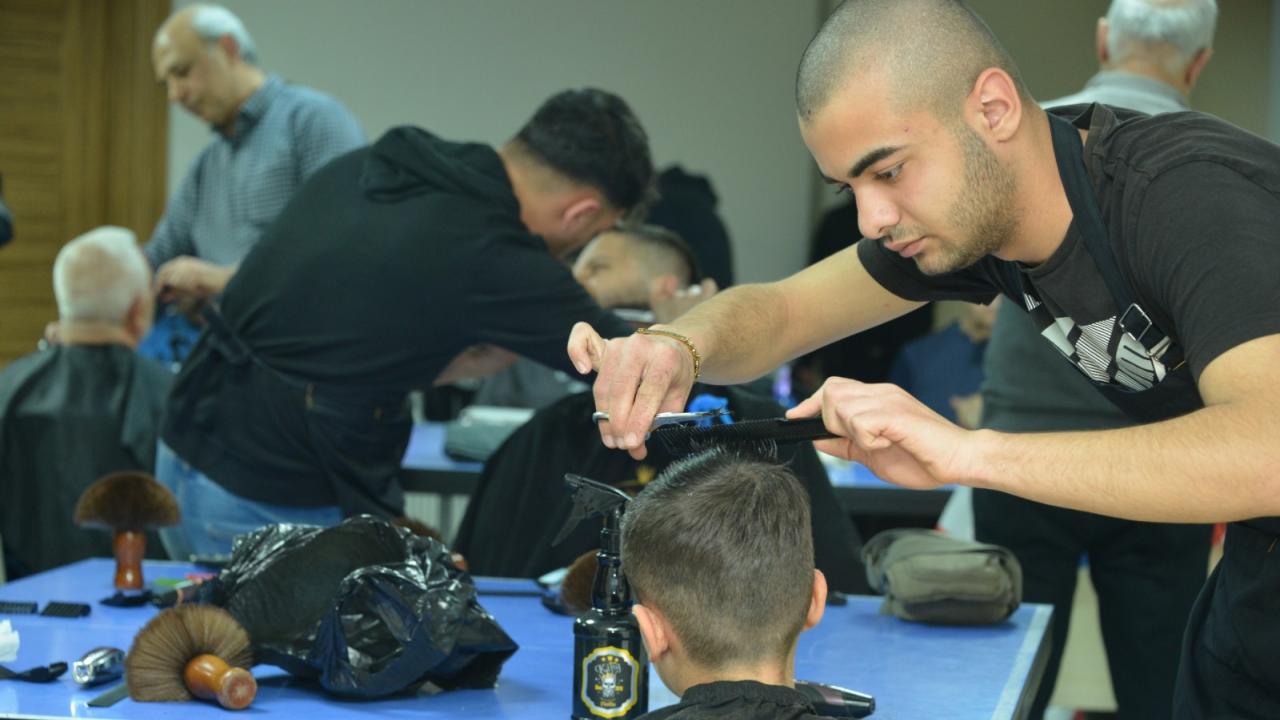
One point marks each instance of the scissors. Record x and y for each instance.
(670, 418)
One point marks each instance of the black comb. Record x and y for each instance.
(685, 440)
(16, 607)
(56, 608)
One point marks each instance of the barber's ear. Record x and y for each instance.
(817, 601)
(1100, 41)
(663, 287)
(654, 629)
(581, 213)
(230, 47)
(1197, 64)
(995, 104)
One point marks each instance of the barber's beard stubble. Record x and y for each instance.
(982, 213)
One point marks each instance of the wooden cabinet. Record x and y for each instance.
(83, 140)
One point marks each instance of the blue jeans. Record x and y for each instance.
(212, 517)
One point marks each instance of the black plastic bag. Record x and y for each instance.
(364, 608)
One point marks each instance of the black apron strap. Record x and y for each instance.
(1087, 218)
(1084, 209)
(224, 340)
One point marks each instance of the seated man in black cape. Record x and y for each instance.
(83, 408)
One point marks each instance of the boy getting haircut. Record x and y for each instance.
(719, 554)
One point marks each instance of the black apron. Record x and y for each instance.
(352, 438)
(1172, 390)
(1230, 663)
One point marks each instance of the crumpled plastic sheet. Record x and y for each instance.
(364, 608)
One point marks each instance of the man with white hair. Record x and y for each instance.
(269, 137)
(1151, 53)
(1146, 574)
(85, 407)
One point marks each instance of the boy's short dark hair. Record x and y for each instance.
(721, 544)
(592, 136)
(666, 241)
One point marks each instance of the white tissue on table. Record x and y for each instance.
(8, 642)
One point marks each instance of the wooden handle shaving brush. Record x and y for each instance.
(575, 588)
(192, 651)
(128, 503)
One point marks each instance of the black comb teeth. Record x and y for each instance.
(757, 435)
(57, 608)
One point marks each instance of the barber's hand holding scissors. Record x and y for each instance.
(639, 377)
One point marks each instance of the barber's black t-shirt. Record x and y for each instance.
(388, 262)
(1192, 210)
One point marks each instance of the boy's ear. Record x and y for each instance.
(655, 630)
(818, 601)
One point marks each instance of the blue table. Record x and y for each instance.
(914, 671)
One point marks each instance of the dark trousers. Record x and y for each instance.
(1147, 576)
(1231, 655)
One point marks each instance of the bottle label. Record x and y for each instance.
(609, 679)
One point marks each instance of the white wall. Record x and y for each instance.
(712, 81)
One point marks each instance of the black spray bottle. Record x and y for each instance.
(610, 665)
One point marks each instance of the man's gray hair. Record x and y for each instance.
(1185, 27)
(99, 275)
(211, 22)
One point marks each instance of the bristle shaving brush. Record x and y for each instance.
(128, 503)
(192, 650)
(575, 588)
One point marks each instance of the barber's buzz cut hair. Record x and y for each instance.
(592, 137)
(211, 22)
(720, 543)
(932, 51)
(669, 244)
(1184, 27)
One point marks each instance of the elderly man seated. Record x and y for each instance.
(86, 406)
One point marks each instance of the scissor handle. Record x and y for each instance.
(668, 418)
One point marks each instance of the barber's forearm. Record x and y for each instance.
(1218, 464)
(741, 333)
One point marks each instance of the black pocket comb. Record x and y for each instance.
(65, 609)
(685, 440)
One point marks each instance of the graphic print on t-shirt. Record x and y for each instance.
(1100, 350)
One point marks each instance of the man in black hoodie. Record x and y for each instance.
(389, 262)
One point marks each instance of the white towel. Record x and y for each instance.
(8, 642)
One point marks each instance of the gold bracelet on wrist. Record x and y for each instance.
(697, 356)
